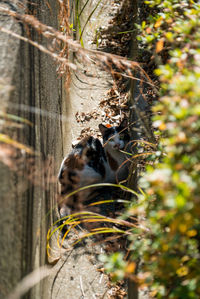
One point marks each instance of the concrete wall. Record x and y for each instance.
(24, 204)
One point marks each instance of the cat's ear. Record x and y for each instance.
(124, 123)
(102, 129)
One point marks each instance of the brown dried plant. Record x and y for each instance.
(61, 45)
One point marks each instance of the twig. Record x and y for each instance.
(40, 47)
(30, 281)
(105, 59)
(81, 285)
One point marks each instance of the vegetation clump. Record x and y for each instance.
(169, 244)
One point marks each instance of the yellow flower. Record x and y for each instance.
(131, 267)
(182, 271)
(192, 233)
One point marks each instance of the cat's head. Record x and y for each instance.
(115, 137)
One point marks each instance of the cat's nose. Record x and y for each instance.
(117, 146)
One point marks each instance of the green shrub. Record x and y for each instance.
(169, 247)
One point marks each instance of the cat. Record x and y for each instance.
(115, 139)
(85, 165)
(90, 162)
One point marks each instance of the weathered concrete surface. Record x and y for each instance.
(77, 274)
(24, 203)
(12, 207)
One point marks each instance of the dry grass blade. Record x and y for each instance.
(102, 231)
(108, 201)
(88, 19)
(6, 139)
(89, 217)
(15, 118)
(30, 281)
(38, 111)
(41, 48)
(122, 187)
(105, 60)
